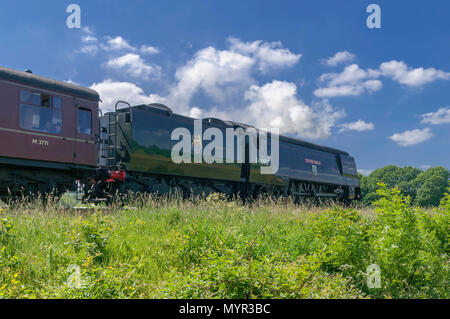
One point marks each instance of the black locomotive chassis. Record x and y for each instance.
(161, 184)
(22, 178)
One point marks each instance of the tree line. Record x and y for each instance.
(425, 187)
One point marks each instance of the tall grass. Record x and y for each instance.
(154, 247)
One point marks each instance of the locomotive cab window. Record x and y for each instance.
(39, 112)
(84, 121)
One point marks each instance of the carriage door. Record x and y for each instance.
(85, 147)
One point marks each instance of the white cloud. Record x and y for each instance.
(441, 116)
(148, 49)
(225, 74)
(349, 89)
(353, 81)
(117, 43)
(338, 58)
(88, 39)
(352, 74)
(222, 75)
(71, 82)
(359, 126)
(196, 113)
(413, 137)
(267, 56)
(276, 104)
(89, 49)
(111, 92)
(134, 65)
(89, 42)
(218, 73)
(87, 30)
(405, 75)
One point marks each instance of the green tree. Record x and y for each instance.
(426, 188)
(431, 186)
(392, 176)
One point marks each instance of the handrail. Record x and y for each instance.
(117, 124)
(118, 102)
(99, 139)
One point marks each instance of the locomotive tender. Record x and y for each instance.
(51, 135)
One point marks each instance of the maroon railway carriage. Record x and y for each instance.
(48, 133)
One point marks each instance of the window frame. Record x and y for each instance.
(31, 104)
(84, 109)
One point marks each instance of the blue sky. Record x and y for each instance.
(384, 97)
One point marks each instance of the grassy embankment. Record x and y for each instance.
(170, 248)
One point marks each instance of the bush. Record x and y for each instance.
(412, 262)
(217, 248)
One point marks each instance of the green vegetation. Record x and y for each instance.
(426, 188)
(214, 248)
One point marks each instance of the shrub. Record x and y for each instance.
(411, 260)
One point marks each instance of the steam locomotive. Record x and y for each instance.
(54, 138)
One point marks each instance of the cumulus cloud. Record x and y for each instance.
(89, 49)
(196, 113)
(116, 44)
(353, 81)
(130, 63)
(338, 58)
(134, 65)
(276, 104)
(217, 73)
(221, 74)
(87, 30)
(408, 76)
(267, 56)
(89, 42)
(88, 39)
(441, 116)
(91, 45)
(225, 75)
(408, 138)
(110, 92)
(148, 49)
(359, 126)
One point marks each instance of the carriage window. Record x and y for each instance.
(84, 121)
(38, 113)
(57, 104)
